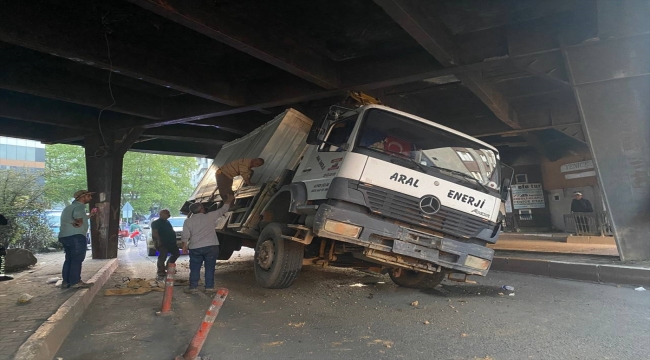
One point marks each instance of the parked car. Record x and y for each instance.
(54, 221)
(177, 224)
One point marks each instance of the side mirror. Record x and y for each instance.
(313, 138)
(505, 188)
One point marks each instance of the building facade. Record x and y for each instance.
(21, 154)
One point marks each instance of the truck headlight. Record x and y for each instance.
(476, 262)
(342, 228)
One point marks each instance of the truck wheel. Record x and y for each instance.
(277, 261)
(151, 252)
(418, 280)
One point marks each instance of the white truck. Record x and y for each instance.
(367, 187)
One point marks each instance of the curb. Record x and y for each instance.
(611, 274)
(47, 339)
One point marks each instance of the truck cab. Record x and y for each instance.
(379, 189)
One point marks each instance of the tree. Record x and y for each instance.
(22, 203)
(65, 172)
(148, 180)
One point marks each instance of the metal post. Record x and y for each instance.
(196, 344)
(166, 308)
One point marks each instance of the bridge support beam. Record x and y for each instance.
(104, 160)
(611, 82)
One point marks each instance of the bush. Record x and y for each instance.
(21, 202)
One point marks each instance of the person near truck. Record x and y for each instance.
(581, 205)
(72, 234)
(201, 239)
(164, 239)
(241, 167)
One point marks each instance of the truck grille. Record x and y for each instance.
(407, 209)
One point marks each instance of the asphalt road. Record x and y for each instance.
(345, 314)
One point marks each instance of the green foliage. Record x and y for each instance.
(65, 172)
(162, 181)
(148, 180)
(21, 202)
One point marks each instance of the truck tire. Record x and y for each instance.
(418, 280)
(277, 261)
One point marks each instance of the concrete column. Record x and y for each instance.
(104, 159)
(611, 80)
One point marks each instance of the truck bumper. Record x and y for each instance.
(389, 243)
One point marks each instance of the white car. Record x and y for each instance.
(177, 224)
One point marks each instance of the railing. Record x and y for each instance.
(585, 224)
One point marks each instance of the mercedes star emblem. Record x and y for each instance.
(429, 204)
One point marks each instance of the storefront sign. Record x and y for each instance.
(528, 196)
(581, 165)
(580, 175)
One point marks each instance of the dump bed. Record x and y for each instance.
(280, 142)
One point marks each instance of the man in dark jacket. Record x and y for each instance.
(164, 238)
(580, 205)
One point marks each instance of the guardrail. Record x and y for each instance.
(588, 224)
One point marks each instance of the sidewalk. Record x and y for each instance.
(549, 246)
(20, 321)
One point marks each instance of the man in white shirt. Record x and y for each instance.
(200, 237)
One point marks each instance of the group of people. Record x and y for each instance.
(199, 238)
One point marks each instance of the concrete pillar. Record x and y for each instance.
(104, 159)
(611, 80)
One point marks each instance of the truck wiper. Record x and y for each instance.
(397, 155)
(460, 173)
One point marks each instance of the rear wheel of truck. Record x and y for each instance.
(277, 261)
(417, 280)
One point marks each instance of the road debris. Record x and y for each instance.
(501, 294)
(387, 343)
(640, 288)
(272, 344)
(508, 288)
(415, 303)
(24, 298)
(511, 294)
(296, 325)
(52, 280)
(463, 335)
(426, 322)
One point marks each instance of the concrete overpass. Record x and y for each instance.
(168, 76)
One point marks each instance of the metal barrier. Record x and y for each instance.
(588, 224)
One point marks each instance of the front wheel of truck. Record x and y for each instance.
(417, 280)
(277, 260)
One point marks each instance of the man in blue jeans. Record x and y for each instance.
(72, 234)
(200, 237)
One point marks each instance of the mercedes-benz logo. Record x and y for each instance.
(429, 204)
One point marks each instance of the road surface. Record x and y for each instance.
(346, 314)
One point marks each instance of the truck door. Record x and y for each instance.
(322, 162)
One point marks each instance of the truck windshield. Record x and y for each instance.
(428, 147)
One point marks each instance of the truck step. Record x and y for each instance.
(298, 227)
(306, 209)
(302, 241)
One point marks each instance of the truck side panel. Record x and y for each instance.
(280, 142)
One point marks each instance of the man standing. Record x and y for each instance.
(200, 236)
(72, 234)
(164, 239)
(241, 167)
(580, 205)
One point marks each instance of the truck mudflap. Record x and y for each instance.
(401, 246)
